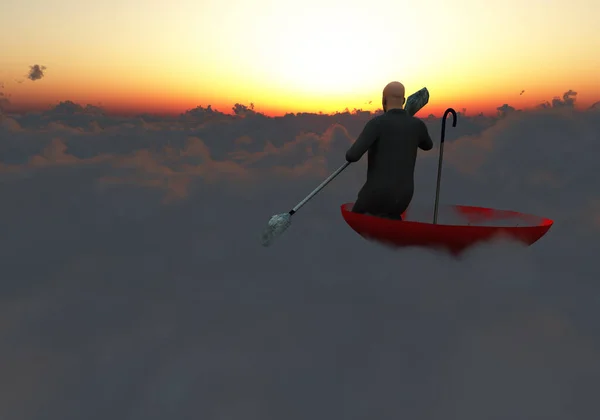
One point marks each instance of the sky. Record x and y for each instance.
(134, 285)
(133, 56)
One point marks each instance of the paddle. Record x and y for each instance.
(280, 222)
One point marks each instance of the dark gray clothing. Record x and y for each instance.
(392, 140)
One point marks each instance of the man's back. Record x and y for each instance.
(392, 140)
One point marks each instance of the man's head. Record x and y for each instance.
(393, 96)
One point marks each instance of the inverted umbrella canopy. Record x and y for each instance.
(481, 224)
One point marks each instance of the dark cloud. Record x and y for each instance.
(4, 101)
(522, 92)
(36, 72)
(568, 101)
(504, 110)
(134, 284)
(70, 108)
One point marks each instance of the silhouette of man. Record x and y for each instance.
(392, 140)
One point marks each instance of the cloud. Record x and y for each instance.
(71, 108)
(36, 72)
(505, 109)
(568, 100)
(134, 284)
(4, 101)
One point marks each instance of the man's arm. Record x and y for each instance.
(425, 142)
(363, 142)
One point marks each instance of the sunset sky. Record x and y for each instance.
(313, 55)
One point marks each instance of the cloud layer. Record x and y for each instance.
(134, 285)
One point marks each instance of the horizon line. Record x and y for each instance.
(557, 102)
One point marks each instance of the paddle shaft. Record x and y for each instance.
(319, 188)
(439, 175)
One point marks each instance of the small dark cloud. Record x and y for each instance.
(242, 110)
(522, 92)
(567, 101)
(4, 101)
(72, 108)
(544, 105)
(36, 72)
(504, 110)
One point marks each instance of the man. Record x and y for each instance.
(392, 140)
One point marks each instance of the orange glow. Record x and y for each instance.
(163, 57)
(128, 101)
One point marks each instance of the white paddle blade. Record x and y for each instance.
(277, 225)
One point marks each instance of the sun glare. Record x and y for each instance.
(322, 53)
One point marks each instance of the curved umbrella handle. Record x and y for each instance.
(439, 176)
